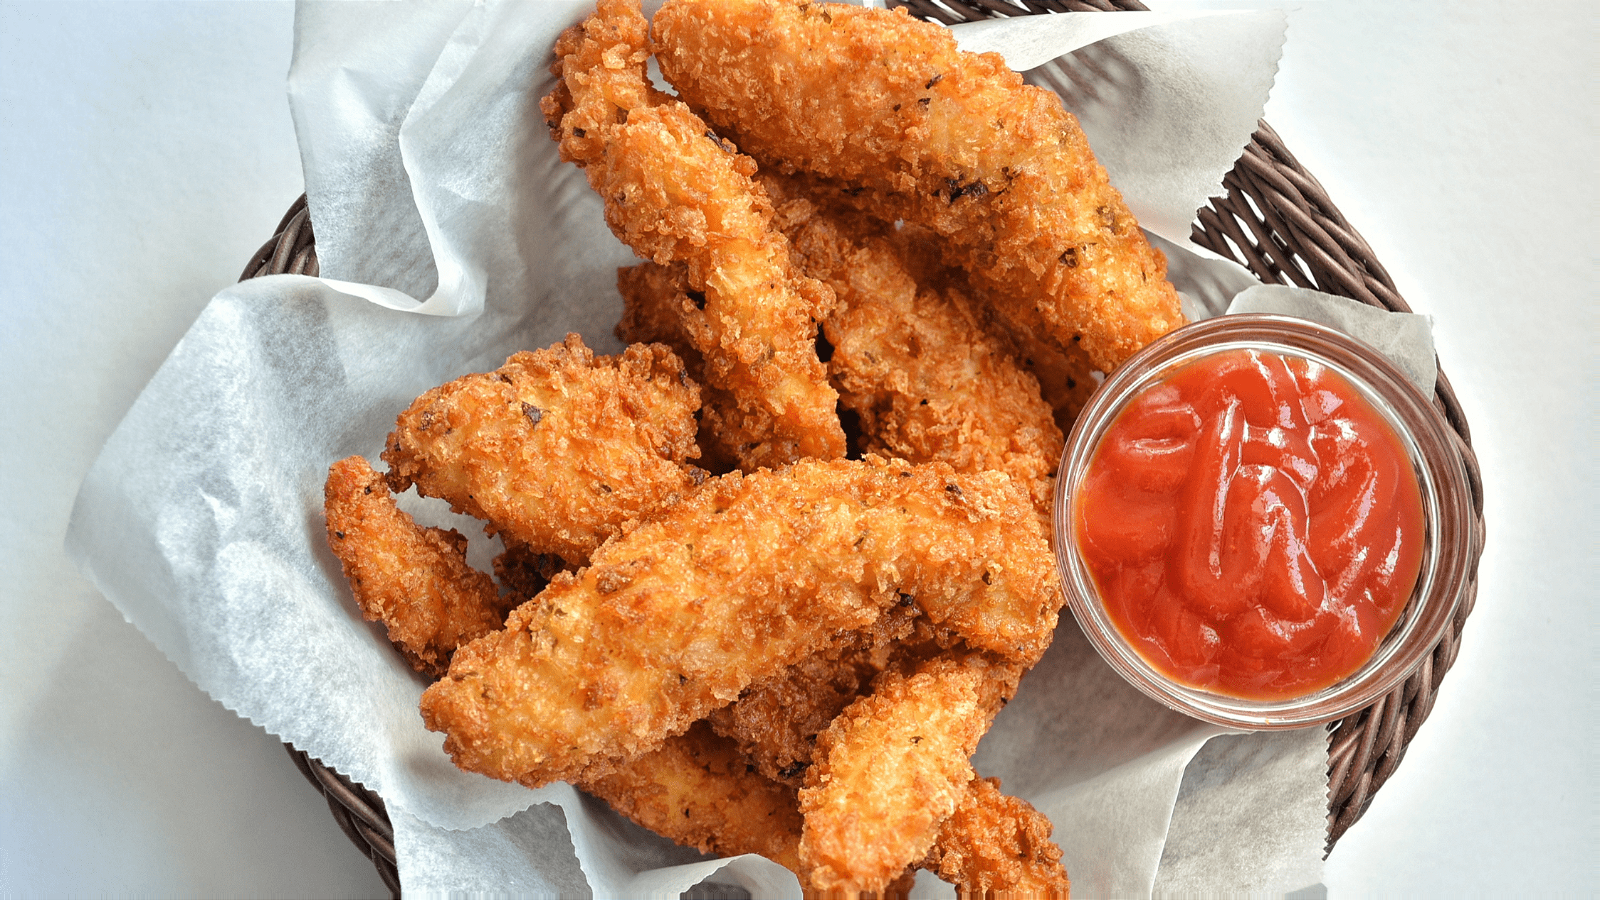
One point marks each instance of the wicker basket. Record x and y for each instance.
(1277, 221)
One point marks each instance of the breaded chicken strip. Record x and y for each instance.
(659, 307)
(911, 128)
(740, 580)
(699, 790)
(890, 769)
(1067, 379)
(558, 448)
(988, 845)
(654, 298)
(1066, 376)
(914, 362)
(997, 846)
(674, 191)
(413, 579)
(776, 721)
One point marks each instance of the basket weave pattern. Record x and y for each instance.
(1278, 222)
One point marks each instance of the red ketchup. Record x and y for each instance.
(1253, 525)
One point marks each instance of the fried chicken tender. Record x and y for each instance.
(740, 580)
(1066, 376)
(654, 298)
(914, 362)
(1067, 379)
(699, 790)
(888, 772)
(558, 448)
(996, 846)
(776, 721)
(911, 128)
(674, 191)
(659, 307)
(415, 580)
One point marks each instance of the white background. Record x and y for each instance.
(146, 151)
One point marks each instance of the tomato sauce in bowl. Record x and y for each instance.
(1253, 525)
(1259, 522)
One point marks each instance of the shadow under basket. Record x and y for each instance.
(1278, 222)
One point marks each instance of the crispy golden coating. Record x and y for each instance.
(556, 449)
(659, 307)
(1066, 376)
(699, 790)
(744, 578)
(524, 572)
(413, 579)
(1067, 379)
(995, 846)
(888, 771)
(674, 191)
(776, 721)
(911, 128)
(914, 362)
(925, 379)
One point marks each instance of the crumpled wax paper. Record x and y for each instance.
(435, 189)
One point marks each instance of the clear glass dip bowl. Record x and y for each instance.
(1440, 476)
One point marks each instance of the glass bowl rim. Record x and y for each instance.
(1441, 476)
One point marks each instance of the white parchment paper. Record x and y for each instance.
(435, 189)
(1168, 99)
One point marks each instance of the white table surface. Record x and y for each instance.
(146, 151)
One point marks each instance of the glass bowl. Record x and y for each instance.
(1440, 476)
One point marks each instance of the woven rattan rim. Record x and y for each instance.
(1278, 222)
